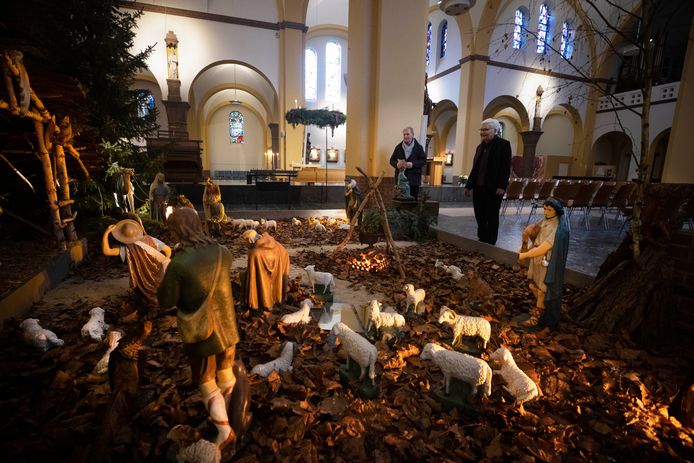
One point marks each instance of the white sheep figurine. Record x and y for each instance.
(303, 315)
(113, 337)
(414, 297)
(452, 270)
(466, 368)
(322, 278)
(518, 384)
(280, 364)
(296, 222)
(95, 327)
(38, 337)
(191, 448)
(319, 226)
(383, 319)
(358, 349)
(466, 326)
(268, 224)
(238, 224)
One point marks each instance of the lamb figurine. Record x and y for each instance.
(303, 315)
(383, 319)
(249, 237)
(518, 384)
(192, 448)
(296, 222)
(319, 226)
(466, 368)
(96, 326)
(322, 278)
(39, 337)
(466, 326)
(280, 364)
(414, 297)
(268, 224)
(452, 270)
(113, 337)
(358, 349)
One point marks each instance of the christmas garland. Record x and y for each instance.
(319, 117)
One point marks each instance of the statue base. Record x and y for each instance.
(350, 375)
(419, 310)
(459, 396)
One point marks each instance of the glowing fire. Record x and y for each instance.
(371, 261)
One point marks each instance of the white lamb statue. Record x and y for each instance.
(39, 337)
(303, 315)
(280, 364)
(358, 349)
(414, 297)
(322, 278)
(268, 224)
(466, 326)
(518, 384)
(466, 368)
(95, 327)
(383, 319)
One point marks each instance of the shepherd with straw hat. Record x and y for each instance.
(147, 257)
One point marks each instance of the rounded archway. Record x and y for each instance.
(658, 152)
(611, 154)
(500, 103)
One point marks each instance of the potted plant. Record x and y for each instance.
(371, 227)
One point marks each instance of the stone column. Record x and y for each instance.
(176, 110)
(531, 137)
(473, 74)
(386, 86)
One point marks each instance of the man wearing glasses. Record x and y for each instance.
(488, 179)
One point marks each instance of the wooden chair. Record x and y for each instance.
(529, 192)
(545, 192)
(602, 200)
(621, 199)
(583, 199)
(513, 193)
(565, 192)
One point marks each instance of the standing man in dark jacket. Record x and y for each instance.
(409, 155)
(489, 179)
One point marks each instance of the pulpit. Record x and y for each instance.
(436, 170)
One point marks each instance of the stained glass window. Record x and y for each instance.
(567, 40)
(311, 74)
(235, 127)
(428, 44)
(503, 129)
(518, 29)
(146, 106)
(444, 39)
(542, 28)
(333, 70)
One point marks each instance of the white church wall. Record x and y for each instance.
(557, 137)
(259, 10)
(511, 134)
(327, 12)
(221, 41)
(453, 49)
(445, 88)
(224, 155)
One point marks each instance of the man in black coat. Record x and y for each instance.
(410, 155)
(489, 179)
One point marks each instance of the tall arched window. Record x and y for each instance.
(428, 44)
(542, 28)
(333, 71)
(311, 74)
(519, 25)
(443, 41)
(567, 40)
(235, 127)
(502, 130)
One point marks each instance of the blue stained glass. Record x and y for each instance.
(542, 28)
(428, 44)
(444, 39)
(518, 30)
(235, 127)
(146, 106)
(333, 71)
(567, 41)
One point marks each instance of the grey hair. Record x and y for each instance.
(410, 129)
(496, 125)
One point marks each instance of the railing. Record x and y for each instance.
(635, 97)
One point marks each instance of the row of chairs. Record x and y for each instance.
(584, 195)
(230, 174)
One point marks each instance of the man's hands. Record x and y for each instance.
(402, 164)
(500, 191)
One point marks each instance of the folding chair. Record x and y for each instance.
(622, 198)
(529, 192)
(544, 193)
(602, 200)
(513, 193)
(583, 198)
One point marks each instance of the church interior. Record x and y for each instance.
(205, 255)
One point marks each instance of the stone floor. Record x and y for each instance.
(587, 248)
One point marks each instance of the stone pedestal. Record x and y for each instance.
(459, 396)
(350, 374)
(530, 139)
